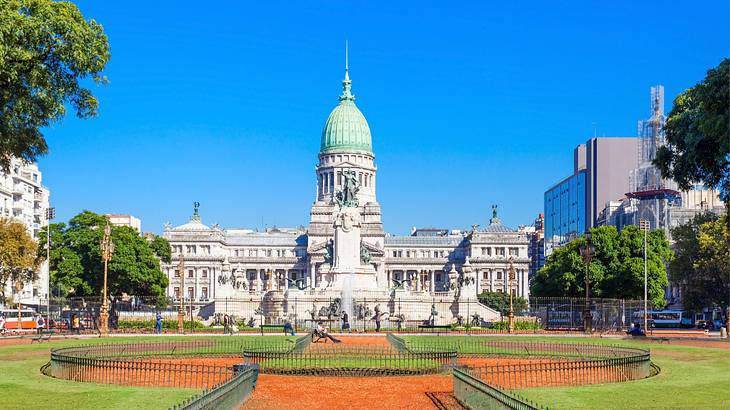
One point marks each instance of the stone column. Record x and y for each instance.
(312, 276)
(491, 280)
(432, 280)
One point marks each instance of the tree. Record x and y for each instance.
(18, 255)
(77, 267)
(702, 265)
(46, 49)
(499, 301)
(161, 247)
(616, 269)
(698, 135)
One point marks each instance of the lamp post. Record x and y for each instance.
(587, 250)
(510, 283)
(50, 214)
(181, 307)
(644, 226)
(107, 249)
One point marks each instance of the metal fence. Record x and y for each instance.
(608, 315)
(474, 394)
(476, 346)
(157, 363)
(339, 360)
(227, 395)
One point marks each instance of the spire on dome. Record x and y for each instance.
(346, 83)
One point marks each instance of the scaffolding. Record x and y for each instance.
(654, 194)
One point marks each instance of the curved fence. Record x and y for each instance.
(351, 361)
(227, 395)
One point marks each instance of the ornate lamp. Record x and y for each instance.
(107, 249)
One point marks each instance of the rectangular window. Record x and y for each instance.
(177, 271)
(204, 273)
(499, 275)
(204, 293)
(485, 276)
(268, 253)
(438, 277)
(191, 292)
(190, 273)
(513, 251)
(177, 293)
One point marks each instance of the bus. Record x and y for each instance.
(661, 318)
(27, 319)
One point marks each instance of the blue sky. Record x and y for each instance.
(468, 106)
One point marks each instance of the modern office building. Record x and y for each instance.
(24, 199)
(601, 169)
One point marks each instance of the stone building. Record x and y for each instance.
(345, 252)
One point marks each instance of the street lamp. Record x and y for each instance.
(587, 250)
(181, 307)
(644, 226)
(510, 284)
(107, 249)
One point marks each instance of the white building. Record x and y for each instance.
(25, 199)
(345, 252)
(125, 220)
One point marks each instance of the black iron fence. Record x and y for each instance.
(230, 394)
(475, 394)
(339, 360)
(402, 314)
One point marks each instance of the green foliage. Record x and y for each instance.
(519, 325)
(46, 49)
(150, 324)
(77, 267)
(161, 247)
(499, 301)
(18, 255)
(616, 269)
(698, 139)
(702, 263)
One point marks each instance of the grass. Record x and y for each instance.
(24, 387)
(690, 378)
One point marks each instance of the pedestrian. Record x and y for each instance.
(75, 325)
(345, 322)
(377, 318)
(288, 328)
(158, 323)
(2, 324)
(226, 323)
(39, 324)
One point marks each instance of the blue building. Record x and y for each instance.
(565, 211)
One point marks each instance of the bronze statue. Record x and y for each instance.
(347, 196)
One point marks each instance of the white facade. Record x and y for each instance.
(25, 199)
(125, 220)
(344, 252)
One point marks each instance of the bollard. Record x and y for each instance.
(723, 332)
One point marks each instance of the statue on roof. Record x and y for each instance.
(494, 219)
(347, 196)
(196, 213)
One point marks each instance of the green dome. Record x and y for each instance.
(346, 129)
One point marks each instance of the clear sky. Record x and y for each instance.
(468, 105)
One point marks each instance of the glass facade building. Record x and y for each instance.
(565, 211)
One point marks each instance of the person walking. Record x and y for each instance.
(345, 322)
(2, 324)
(226, 324)
(40, 323)
(158, 323)
(288, 328)
(377, 317)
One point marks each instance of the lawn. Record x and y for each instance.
(24, 387)
(690, 378)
